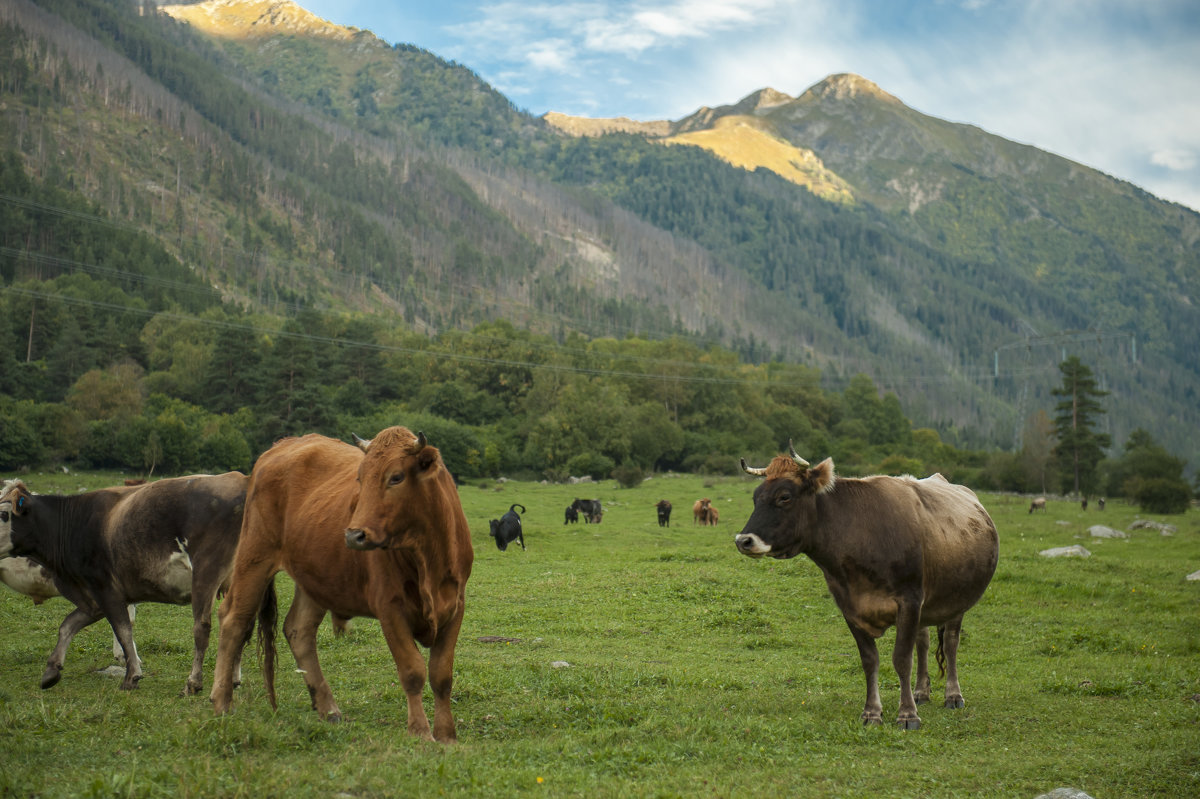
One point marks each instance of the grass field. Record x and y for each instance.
(693, 671)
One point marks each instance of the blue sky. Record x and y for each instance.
(1113, 84)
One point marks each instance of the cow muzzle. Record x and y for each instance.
(357, 538)
(752, 545)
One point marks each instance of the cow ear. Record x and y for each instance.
(821, 477)
(426, 459)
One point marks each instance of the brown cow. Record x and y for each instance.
(375, 530)
(700, 511)
(893, 550)
(1037, 504)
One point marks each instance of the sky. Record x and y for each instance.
(1112, 84)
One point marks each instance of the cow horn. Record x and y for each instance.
(795, 455)
(753, 471)
(361, 443)
(421, 442)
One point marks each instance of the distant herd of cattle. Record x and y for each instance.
(376, 529)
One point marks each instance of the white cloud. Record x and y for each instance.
(1174, 160)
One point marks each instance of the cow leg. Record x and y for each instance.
(922, 690)
(75, 621)
(236, 618)
(204, 595)
(869, 654)
(118, 616)
(411, 667)
(118, 651)
(949, 642)
(907, 629)
(300, 629)
(441, 680)
(521, 538)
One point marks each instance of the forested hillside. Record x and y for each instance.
(243, 236)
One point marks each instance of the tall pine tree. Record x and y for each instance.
(1080, 448)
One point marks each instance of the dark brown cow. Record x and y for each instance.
(664, 513)
(171, 541)
(894, 551)
(375, 530)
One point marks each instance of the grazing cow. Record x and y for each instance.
(1037, 504)
(893, 550)
(1100, 503)
(590, 508)
(507, 528)
(664, 513)
(571, 516)
(171, 541)
(375, 530)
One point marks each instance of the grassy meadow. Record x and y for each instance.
(693, 671)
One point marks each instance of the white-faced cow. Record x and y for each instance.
(375, 530)
(893, 550)
(171, 541)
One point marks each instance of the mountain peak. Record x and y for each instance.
(256, 18)
(847, 85)
(762, 100)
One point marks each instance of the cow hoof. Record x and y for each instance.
(909, 724)
(955, 703)
(921, 700)
(50, 678)
(334, 718)
(872, 721)
(129, 685)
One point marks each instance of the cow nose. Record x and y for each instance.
(357, 539)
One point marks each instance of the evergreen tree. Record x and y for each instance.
(1080, 448)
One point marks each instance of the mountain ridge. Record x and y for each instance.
(348, 172)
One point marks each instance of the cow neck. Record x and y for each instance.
(67, 532)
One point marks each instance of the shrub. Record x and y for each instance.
(1161, 495)
(629, 475)
(591, 463)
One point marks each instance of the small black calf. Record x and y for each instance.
(572, 515)
(507, 528)
(664, 513)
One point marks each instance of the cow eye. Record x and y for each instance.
(783, 499)
(396, 479)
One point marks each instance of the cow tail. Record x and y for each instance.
(941, 653)
(268, 620)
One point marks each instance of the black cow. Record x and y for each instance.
(664, 513)
(170, 541)
(571, 516)
(590, 508)
(507, 528)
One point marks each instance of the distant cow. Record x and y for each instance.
(664, 513)
(1037, 504)
(171, 541)
(700, 511)
(1100, 503)
(893, 550)
(713, 515)
(590, 509)
(1083, 504)
(571, 516)
(507, 528)
(372, 530)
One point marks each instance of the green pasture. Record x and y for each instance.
(693, 671)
